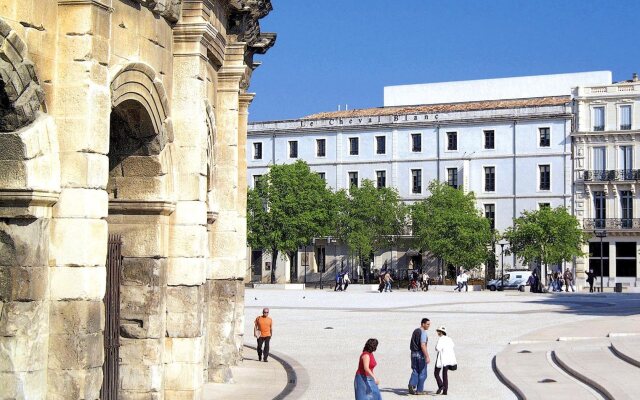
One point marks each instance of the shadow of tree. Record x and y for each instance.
(596, 304)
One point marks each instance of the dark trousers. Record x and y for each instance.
(264, 340)
(590, 286)
(444, 382)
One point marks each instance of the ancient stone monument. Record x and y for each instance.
(123, 117)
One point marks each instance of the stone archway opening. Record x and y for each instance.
(139, 212)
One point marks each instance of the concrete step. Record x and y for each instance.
(627, 348)
(600, 368)
(532, 375)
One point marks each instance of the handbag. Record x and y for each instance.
(453, 367)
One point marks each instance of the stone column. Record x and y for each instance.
(79, 230)
(184, 350)
(225, 288)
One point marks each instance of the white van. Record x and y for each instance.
(513, 279)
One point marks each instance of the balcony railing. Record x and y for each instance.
(625, 127)
(598, 128)
(611, 175)
(611, 223)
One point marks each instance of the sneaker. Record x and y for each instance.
(412, 389)
(265, 360)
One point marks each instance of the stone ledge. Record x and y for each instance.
(27, 203)
(161, 207)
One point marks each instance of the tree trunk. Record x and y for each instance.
(274, 259)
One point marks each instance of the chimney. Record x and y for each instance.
(634, 77)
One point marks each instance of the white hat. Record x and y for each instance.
(442, 329)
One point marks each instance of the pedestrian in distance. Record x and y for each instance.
(424, 282)
(590, 278)
(458, 283)
(387, 282)
(445, 360)
(568, 280)
(419, 357)
(338, 282)
(263, 327)
(465, 279)
(345, 280)
(365, 383)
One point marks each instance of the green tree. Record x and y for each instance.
(450, 227)
(548, 235)
(289, 206)
(369, 218)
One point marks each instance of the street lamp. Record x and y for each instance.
(601, 233)
(502, 243)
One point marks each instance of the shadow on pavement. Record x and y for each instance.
(608, 304)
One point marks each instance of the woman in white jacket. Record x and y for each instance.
(445, 359)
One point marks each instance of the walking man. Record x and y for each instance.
(464, 278)
(419, 358)
(265, 325)
(568, 280)
(387, 282)
(590, 279)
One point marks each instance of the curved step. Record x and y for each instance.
(530, 374)
(627, 348)
(601, 369)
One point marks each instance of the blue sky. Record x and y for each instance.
(331, 52)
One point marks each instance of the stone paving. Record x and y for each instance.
(324, 332)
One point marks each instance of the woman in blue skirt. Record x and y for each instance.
(365, 383)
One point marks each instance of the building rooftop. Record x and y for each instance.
(443, 108)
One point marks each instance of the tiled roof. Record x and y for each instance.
(443, 108)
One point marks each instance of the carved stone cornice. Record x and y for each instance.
(141, 207)
(244, 25)
(199, 39)
(245, 100)
(104, 4)
(26, 203)
(168, 9)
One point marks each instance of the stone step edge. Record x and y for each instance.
(620, 354)
(504, 380)
(582, 378)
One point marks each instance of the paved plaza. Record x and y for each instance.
(323, 332)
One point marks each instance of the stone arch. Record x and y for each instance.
(21, 96)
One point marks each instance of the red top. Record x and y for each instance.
(372, 363)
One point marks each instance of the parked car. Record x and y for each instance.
(514, 279)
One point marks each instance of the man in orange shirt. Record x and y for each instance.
(265, 325)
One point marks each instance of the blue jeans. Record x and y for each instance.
(365, 388)
(387, 286)
(418, 370)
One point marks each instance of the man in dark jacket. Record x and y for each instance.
(590, 278)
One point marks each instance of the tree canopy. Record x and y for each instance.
(369, 217)
(449, 226)
(549, 235)
(289, 206)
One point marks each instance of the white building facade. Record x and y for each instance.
(513, 152)
(606, 154)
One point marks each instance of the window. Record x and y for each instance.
(416, 142)
(381, 145)
(489, 140)
(257, 151)
(452, 141)
(321, 256)
(595, 259)
(626, 259)
(598, 118)
(544, 205)
(321, 147)
(416, 181)
(452, 177)
(256, 180)
(545, 177)
(600, 209)
(626, 162)
(545, 137)
(626, 206)
(353, 146)
(353, 179)
(490, 214)
(322, 176)
(489, 179)
(625, 118)
(599, 159)
(381, 179)
(293, 149)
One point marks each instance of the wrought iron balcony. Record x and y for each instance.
(611, 175)
(598, 128)
(625, 127)
(614, 224)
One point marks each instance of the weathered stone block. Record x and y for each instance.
(81, 317)
(142, 312)
(24, 319)
(184, 350)
(142, 166)
(190, 213)
(23, 283)
(183, 376)
(139, 188)
(141, 240)
(141, 377)
(13, 174)
(143, 271)
(23, 353)
(24, 242)
(73, 133)
(84, 170)
(74, 384)
(191, 187)
(188, 241)
(76, 351)
(186, 271)
(81, 283)
(23, 385)
(76, 241)
(141, 351)
(82, 203)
